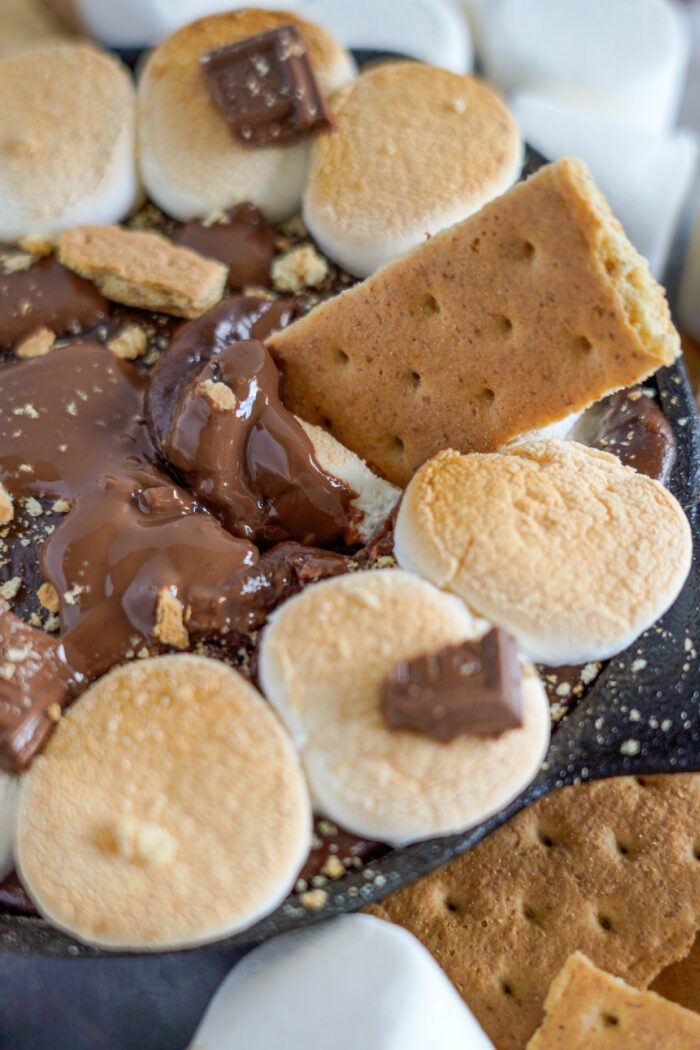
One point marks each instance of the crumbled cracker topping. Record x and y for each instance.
(220, 396)
(130, 344)
(299, 268)
(170, 621)
(38, 344)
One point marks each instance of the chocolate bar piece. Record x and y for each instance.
(33, 690)
(265, 88)
(473, 688)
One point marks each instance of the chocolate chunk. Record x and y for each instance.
(245, 242)
(47, 295)
(265, 89)
(34, 686)
(242, 603)
(632, 426)
(473, 688)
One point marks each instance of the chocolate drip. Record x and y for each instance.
(249, 460)
(245, 242)
(237, 318)
(47, 295)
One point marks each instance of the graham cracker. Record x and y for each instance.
(532, 309)
(143, 269)
(588, 1009)
(609, 868)
(680, 982)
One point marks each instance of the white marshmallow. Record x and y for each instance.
(67, 141)
(645, 177)
(431, 30)
(375, 498)
(9, 786)
(689, 294)
(622, 58)
(191, 163)
(355, 981)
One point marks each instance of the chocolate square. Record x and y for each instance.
(473, 688)
(265, 88)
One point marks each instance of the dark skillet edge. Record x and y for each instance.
(618, 691)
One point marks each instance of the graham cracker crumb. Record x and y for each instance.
(130, 344)
(300, 268)
(9, 589)
(38, 344)
(61, 506)
(54, 712)
(15, 262)
(7, 511)
(170, 621)
(219, 395)
(48, 596)
(315, 900)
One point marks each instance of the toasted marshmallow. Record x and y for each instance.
(167, 774)
(416, 149)
(392, 995)
(191, 163)
(323, 658)
(559, 544)
(8, 806)
(625, 60)
(67, 141)
(375, 498)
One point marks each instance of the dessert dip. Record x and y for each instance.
(329, 477)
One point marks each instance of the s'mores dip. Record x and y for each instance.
(325, 458)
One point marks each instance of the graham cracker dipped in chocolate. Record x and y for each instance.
(265, 89)
(528, 311)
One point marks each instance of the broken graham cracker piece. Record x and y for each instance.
(143, 269)
(530, 310)
(589, 1009)
(38, 344)
(606, 868)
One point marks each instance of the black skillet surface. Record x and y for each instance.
(54, 1001)
(641, 716)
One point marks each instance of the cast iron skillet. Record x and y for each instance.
(649, 695)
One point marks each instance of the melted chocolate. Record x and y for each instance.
(47, 295)
(125, 541)
(237, 318)
(251, 463)
(242, 603)
(632, 426)
(34, 685)
(245, 242)
(74, 431)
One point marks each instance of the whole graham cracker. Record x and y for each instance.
(531, 309)
(588, 1009)
(609, 868)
